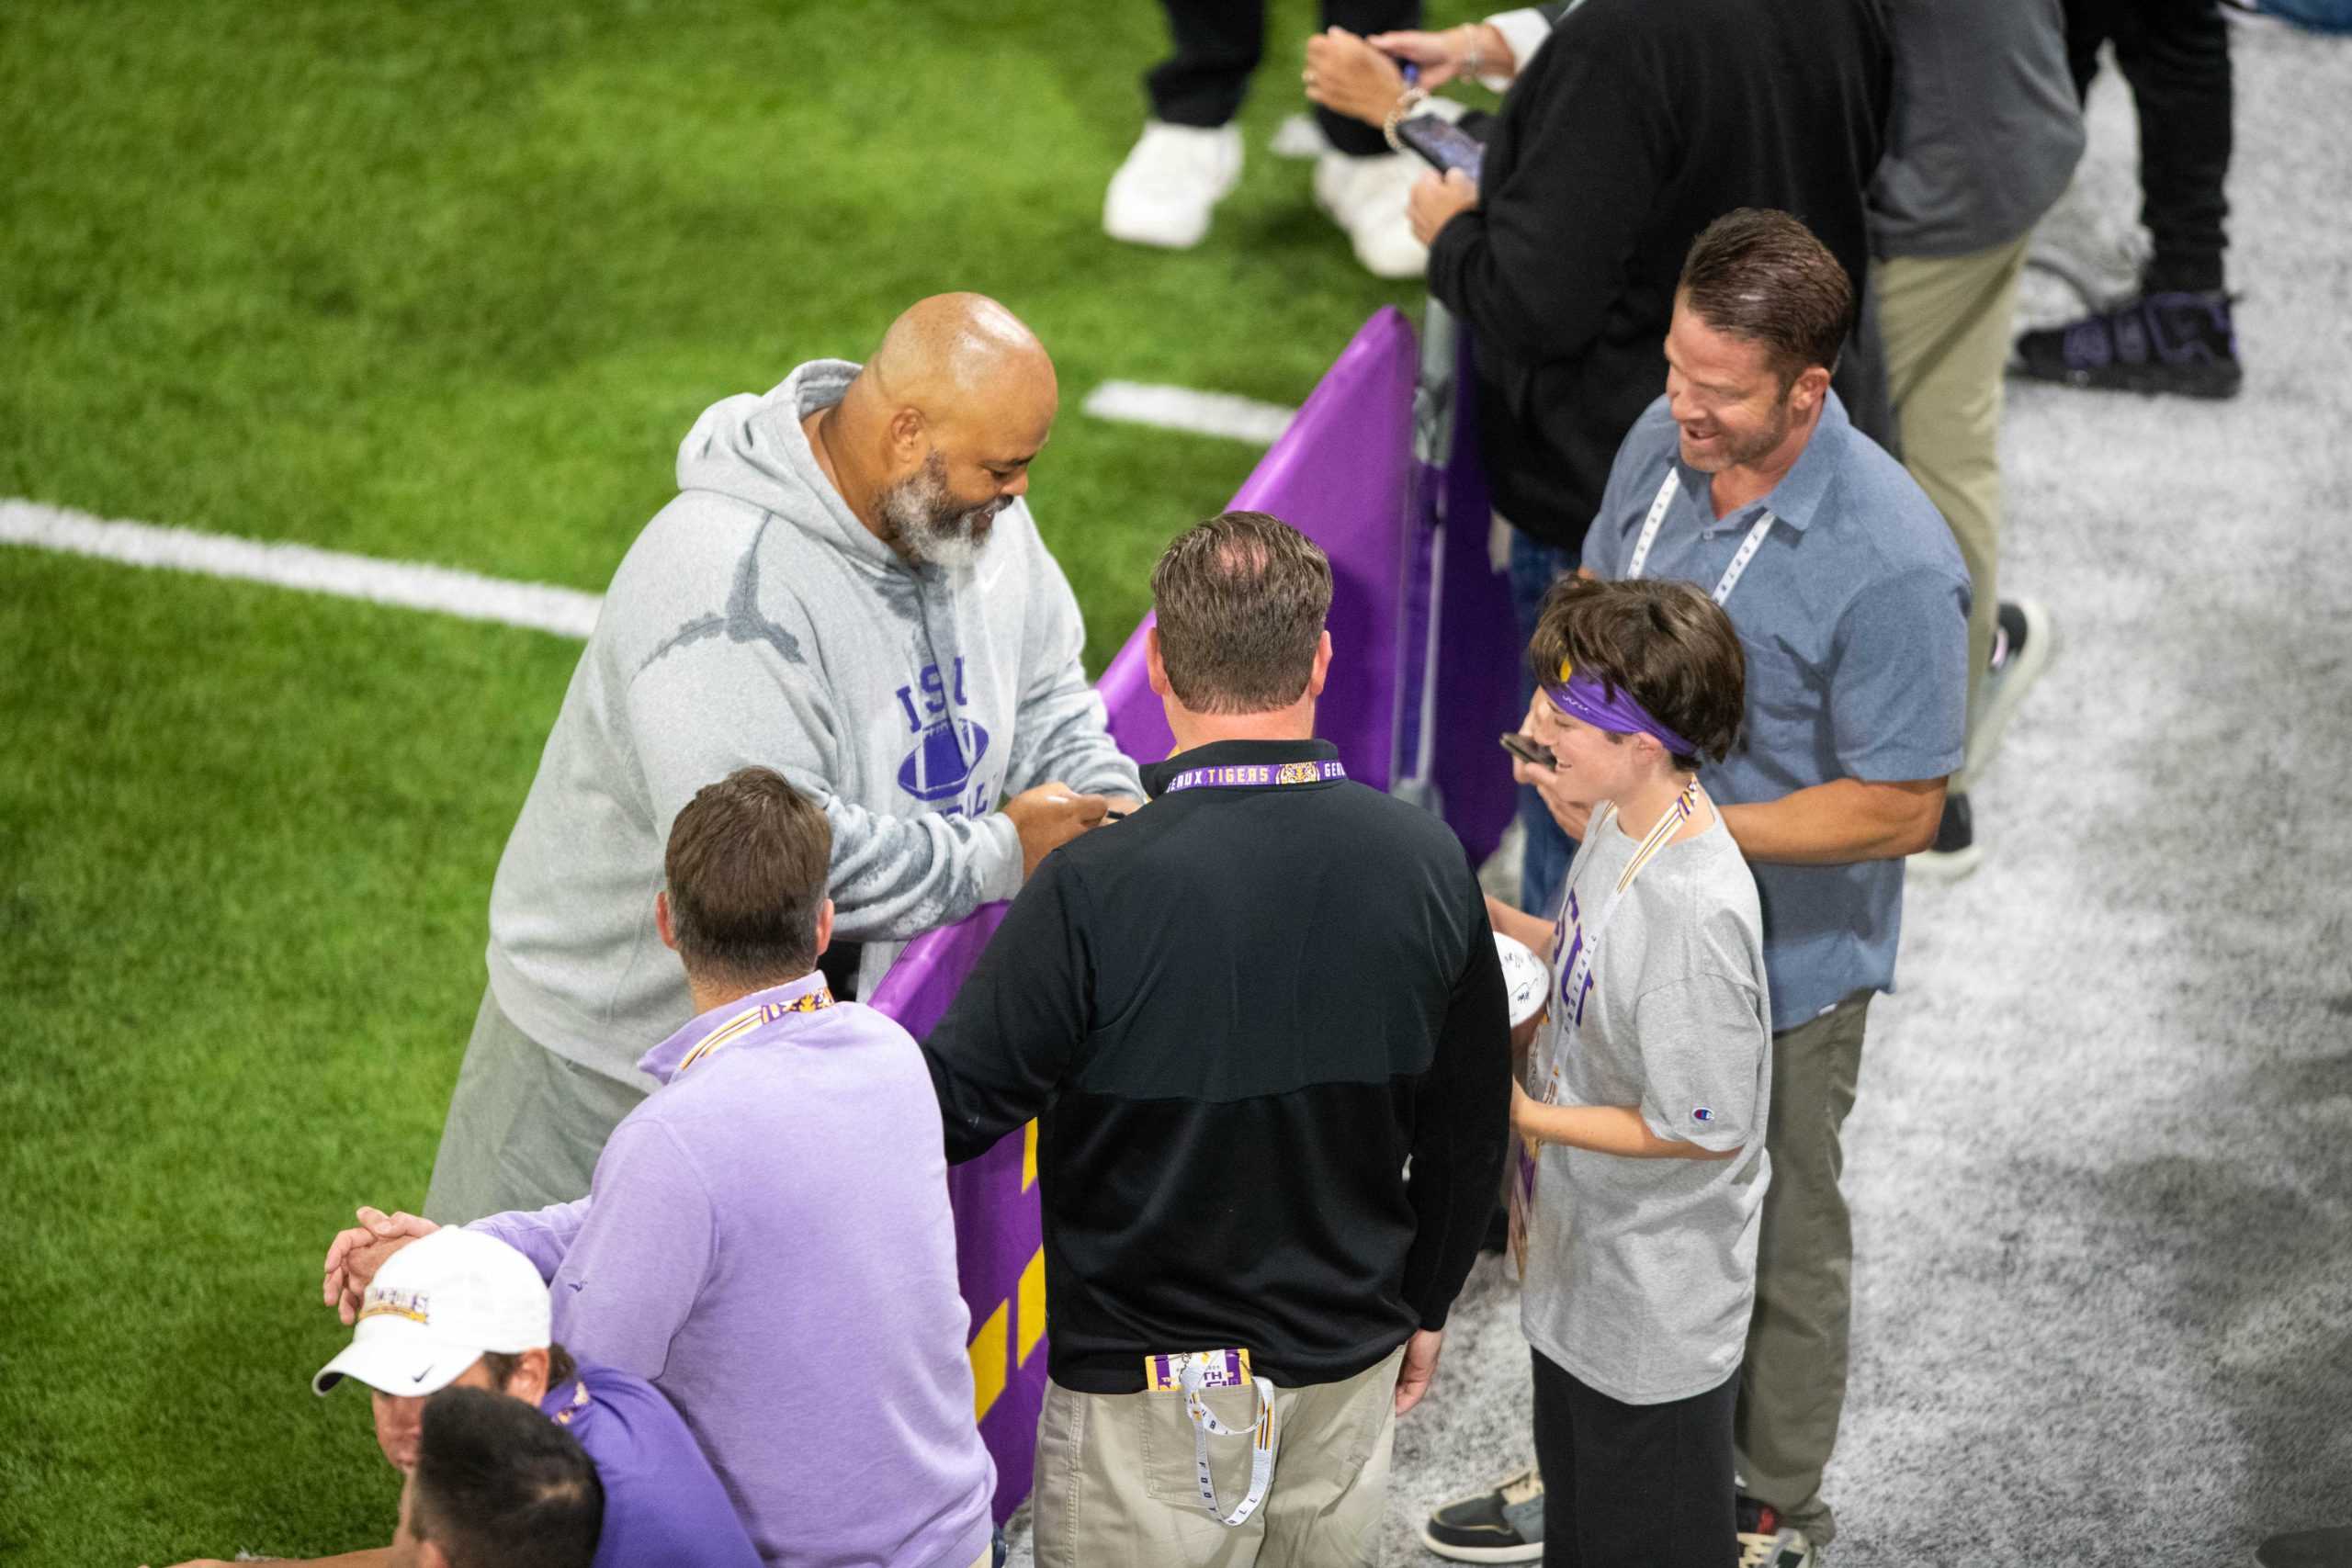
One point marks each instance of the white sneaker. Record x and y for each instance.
(2021, 651)
(1366, 197)
(1175, 176)
(1298, 137)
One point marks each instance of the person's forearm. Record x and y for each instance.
(1607, 1130)
(543, 1235)
(1838, 823)
(1530, 932)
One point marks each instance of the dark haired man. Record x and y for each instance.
(460, 1310)
(1237, 1015)
(768, 1238)
(494, 1487)
(1851, 604)
(1628, 128)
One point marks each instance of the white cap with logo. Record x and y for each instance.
(435, 1306)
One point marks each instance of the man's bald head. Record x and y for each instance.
(953, 355)
(953, 406)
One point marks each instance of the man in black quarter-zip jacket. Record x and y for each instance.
(1239, 1015)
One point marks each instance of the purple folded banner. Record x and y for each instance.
(1000, 1236)
(1344, 474)
(1471, 667)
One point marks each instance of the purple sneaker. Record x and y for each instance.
(2151, 343)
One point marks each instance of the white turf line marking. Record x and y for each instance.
(566, 612)
(538, 606)
(1181, 408)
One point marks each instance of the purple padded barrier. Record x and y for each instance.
(1340, 474)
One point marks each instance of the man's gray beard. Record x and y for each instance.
(916, 521)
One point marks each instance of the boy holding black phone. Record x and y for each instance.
(1642, 1107)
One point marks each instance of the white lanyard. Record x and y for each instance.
(1205, 1424)
(1588, 944)
(1732, 573)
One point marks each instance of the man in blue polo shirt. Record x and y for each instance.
(459, 1309)
(1851, 604)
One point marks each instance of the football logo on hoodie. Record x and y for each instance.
(946, 749)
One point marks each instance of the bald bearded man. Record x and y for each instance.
(848, 589)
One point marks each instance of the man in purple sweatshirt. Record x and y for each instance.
(767, 1237)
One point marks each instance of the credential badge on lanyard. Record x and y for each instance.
(1732, 573)
(1188, 1374)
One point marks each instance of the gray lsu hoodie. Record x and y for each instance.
(756, 620)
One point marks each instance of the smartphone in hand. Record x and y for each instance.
(1526, 750)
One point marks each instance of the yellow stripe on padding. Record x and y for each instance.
(1033, 1305)
(986, 1350)
(1029, 1156)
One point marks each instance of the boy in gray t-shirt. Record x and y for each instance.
(1643, 1106)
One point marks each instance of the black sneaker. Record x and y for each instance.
(1955, 852)
(2307, 1549)
(2180, 342)
(1502, 1525)
(2024, 640)
(1766, 1543)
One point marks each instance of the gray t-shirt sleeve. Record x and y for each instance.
(1898, 692)
(1702, 1042)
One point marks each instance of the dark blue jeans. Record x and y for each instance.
(1533, 568)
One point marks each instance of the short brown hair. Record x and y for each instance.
(1241, 600)
(746, 872)
(503, 1366)
(1760, 275)
(1666, 642)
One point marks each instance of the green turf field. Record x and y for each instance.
(445, 283)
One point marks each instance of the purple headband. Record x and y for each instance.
(1581, 696)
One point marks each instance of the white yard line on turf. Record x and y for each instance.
(564, 611)
(1181, 408)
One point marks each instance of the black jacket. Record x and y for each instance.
(1237, 1014)
(1637, 126)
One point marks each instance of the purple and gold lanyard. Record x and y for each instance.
(1254, 775)
(750, 1018)
(1579, 985)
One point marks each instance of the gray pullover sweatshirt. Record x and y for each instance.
(756, 620)
(1986, 130)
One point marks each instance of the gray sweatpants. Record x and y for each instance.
(524, 1125)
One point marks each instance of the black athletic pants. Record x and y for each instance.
(1219, 43)
(1633, 1485)
(2176, 56)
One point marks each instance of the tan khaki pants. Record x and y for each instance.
(1115, 1483)
(1793, 1383)
(1945, 320)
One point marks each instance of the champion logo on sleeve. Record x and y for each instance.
(1702, 1113)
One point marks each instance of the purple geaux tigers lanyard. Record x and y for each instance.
(751, 1019)
(1254, 775)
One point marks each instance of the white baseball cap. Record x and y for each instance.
(435, 1306)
